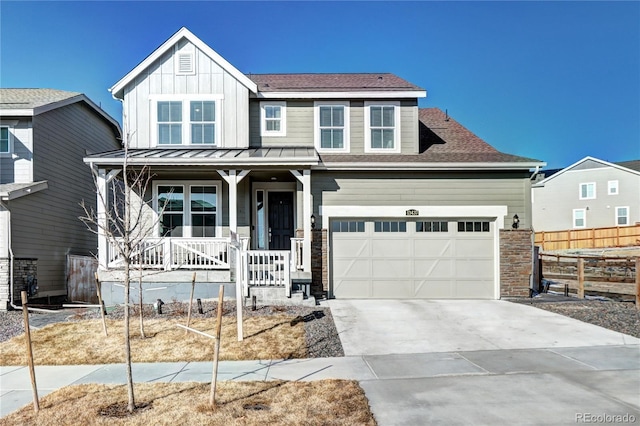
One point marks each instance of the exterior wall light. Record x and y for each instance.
(313, 221)
(516, 221)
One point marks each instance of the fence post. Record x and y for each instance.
(580, 278)
(637, 282)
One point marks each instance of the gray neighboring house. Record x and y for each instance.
(590, 193)
(336, 184)
(44, 135)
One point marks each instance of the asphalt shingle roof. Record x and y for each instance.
(32, 98)
(331, 82)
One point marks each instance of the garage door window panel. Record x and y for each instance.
(474, 226)
(390, 226)
(432, 226)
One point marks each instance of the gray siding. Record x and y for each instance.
(406, 189)
(210, 78)
(300, 126)
(17, 167)
(554, 203)
(45, 225)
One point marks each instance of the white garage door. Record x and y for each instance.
(423, 259)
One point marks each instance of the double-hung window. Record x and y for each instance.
(187, 209)
(382, 126)
(622, 216)
(273, 118)
(193, 120)
(612, 187)
(587, 191)
(5, 146)
(579, 218)
(331, 126)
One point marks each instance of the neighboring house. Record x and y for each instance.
(44, 135)
(590, 193)
(342, 175)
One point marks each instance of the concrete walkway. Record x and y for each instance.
(480, 365)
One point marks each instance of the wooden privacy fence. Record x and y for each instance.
(599, 274)
(617, 236)
(81, 285)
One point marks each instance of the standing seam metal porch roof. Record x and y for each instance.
(210, 156)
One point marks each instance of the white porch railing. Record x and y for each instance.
(175, 253)
(297, 254)
(266, 268)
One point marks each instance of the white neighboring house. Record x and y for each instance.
(590, 193)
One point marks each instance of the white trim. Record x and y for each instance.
(397, 140)
(584, 218)
(270, 187)
(347, 126)
(182, 33)
(580, 185)
(617, 217)
(611, 185)
(186, 212)
(10, 129)
(328, 165)
(186, 118)
(391, 94)
(283, 119)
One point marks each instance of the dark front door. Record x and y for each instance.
(280, 220)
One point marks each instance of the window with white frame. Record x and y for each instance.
(612, 187)
(587, 191)
(579, 218)
(273, 118)
(5, 140)
(382, 126)
(187, 121)
(187, 209)
(622, 216)
(332, 126)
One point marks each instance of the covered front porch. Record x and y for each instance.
(226, 215)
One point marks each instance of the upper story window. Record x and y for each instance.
(273, 118)
(612, 187)
(188, 121)
(331, 126)
(587, 191)
(382, 126)
(5, 136)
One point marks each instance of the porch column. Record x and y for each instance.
(233, 179)
(307, 210)
(102, 204)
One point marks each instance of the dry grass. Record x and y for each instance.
(83, 342)
(327, 402)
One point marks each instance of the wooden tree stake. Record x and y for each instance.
(580, 278)
(637, 282)
(99, 291)
(193, 285)
(27, 335)
(216, 352)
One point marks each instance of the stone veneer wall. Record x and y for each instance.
(516, 262)
(22, 269)
(4, 283)
(319, 277)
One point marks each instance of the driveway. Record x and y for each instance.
(379, 327)
(444, 362)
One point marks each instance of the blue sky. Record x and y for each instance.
(555, 81)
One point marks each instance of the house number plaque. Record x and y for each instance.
(412, 212)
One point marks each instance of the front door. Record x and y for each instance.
(280, 220)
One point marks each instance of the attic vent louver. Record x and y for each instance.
(185, 63)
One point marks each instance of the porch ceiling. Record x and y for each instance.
(285, 156)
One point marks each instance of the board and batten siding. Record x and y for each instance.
(160, 78)
(46, 225)
(300, 126)
(423, 189)
(16, 167)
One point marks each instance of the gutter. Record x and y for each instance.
(428, 166)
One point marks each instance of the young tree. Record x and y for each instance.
(126, 223)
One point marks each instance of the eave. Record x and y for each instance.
(411, 94)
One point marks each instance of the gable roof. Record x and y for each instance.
(319, 85)
(587, 159)
(444, 144)
(32, 101)
(633, 164)
(118, 88)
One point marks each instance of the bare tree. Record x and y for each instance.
(126, 223)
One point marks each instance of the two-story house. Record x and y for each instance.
(44, 136)
(341, 176)
(590, 193)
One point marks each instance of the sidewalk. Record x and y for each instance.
(596, 379)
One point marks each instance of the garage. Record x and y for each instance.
(421, 258)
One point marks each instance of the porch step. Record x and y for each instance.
(277, 296)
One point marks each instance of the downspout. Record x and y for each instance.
(11, 256)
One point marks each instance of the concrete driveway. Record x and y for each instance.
(378, 327)
(488, 363)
